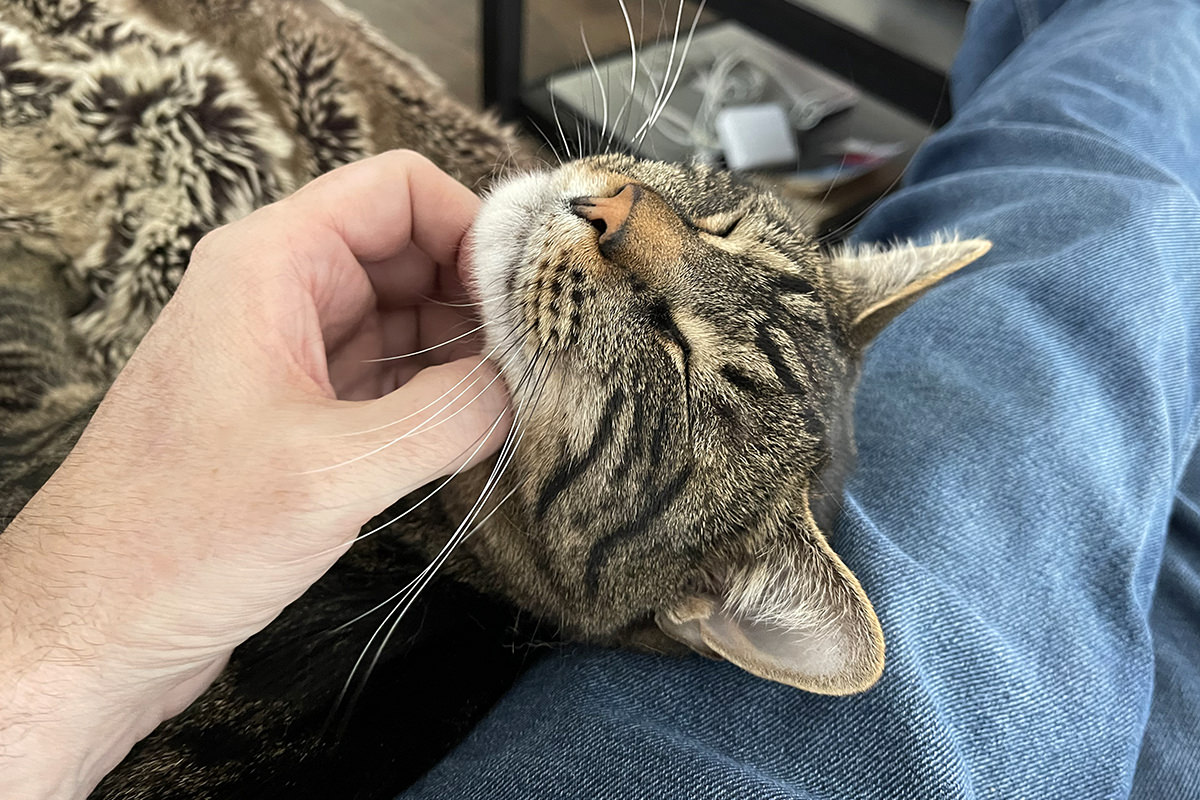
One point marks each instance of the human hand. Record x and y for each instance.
(238, 453)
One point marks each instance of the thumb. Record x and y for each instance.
(447, 417)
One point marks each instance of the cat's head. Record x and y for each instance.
(682, 360)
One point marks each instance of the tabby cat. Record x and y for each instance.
(681, 356)
(686, 431)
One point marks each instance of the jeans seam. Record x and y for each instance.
(1165, 176)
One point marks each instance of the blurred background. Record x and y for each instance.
(827, 98)
(446, 34)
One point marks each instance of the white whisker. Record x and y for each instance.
(558, 122)
(383, 604)
(549, 143)
(632, 74)
(632, 46)
(506, 456)
(411, 584)
(410, 415)
(424, 426)
(666, 75)
(426, 350)
(508, 347)
(385, 525)
(430, 571)
(479, 304)
(687, 45)
(665, 97)
(599, 82)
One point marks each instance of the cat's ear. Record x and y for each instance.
(798, 617)
(880, 282)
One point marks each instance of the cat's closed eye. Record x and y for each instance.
(742, 380)
(720, 225)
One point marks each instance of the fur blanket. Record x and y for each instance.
(129, 128)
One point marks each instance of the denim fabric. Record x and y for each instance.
(1024, 432)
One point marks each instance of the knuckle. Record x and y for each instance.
(208, 245)
(408, 159)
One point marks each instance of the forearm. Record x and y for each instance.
(70, 705)
(57, 740)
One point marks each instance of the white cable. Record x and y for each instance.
(733, 79)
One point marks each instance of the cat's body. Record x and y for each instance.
(681, 354)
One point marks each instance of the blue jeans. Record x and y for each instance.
(1023, 516)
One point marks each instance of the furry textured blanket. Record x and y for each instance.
(129, 128)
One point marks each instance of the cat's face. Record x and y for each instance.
(682, 359)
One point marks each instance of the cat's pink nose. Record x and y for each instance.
(609, 215)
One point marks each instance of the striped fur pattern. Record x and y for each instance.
(692, 415)
(683, 356)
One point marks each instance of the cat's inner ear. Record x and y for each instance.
(797, 617)
(880, 282)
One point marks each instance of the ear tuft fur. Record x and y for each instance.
(800, 618)
(878, 283)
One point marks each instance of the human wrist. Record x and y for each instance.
(57, 737)
(71, 706)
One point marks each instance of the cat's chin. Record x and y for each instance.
(521, 220)
(496, 251)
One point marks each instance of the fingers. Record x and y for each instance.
(374, 239)
(448, 416)
(381, 204)
(395, 217)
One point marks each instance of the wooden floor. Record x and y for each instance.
(445, 34)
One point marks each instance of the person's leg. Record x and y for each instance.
(1159, 127)
(1169, 764)
(1022, 430)
(994, 31)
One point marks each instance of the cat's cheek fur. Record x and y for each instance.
(512, 211)
(496, 248)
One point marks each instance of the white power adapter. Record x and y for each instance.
(756, 136)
